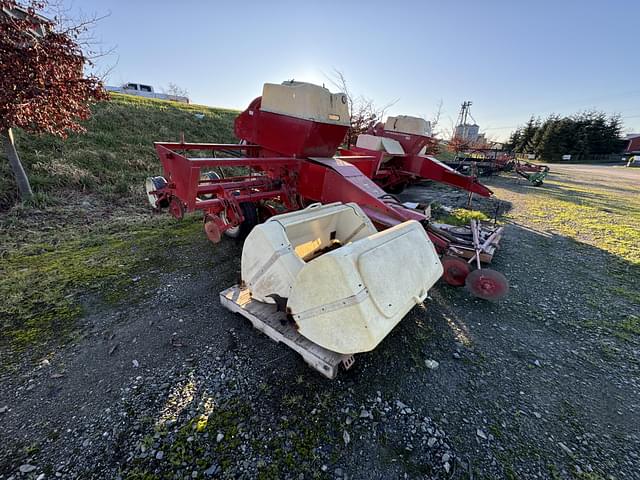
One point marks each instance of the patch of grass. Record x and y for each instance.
(607, 352)
(41, 200)
(627, 294)
(290, 401)
(628, 327)
(116, 152)
(606, 218)
(625, 329)
(195, 445)
(42, 284)
(589, 476)
(631, 325)
(462, 217)
(226, 419)
(141, 474)
(495, 429)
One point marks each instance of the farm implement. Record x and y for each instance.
(391, 154)
(535, 174)
(489, 161)
(331, 262)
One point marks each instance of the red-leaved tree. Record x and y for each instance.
(43, 88)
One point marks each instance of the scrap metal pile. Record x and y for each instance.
(340, 260)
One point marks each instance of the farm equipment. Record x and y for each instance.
(392, 155)
(333, 267)
(484, 161)
(534, 173)
(340, 284)
(489, 161)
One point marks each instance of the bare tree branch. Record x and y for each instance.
(175, 90)
(363, 111)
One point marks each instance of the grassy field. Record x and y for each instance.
(116, 152)
(607, 217)
(596, 207)
(89, 227)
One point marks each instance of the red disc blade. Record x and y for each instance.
(455, 270)
(176, 208)
(487, 284)
(212, 230)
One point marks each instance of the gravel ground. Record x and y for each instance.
(177, 387)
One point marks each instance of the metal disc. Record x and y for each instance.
(176, 208)
(487, 284)
(455, 270)
(465, 231)
(153, 184)
(212, 230)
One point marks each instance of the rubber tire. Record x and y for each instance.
(159, 183)
(250, 214)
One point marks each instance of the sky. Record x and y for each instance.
(512, 59)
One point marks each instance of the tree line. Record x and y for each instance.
(581, 135)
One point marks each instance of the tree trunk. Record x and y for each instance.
(14, 160)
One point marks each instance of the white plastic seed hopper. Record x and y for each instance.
(344, 285)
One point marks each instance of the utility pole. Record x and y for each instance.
(465, 112)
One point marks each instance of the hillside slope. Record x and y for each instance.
(115, 154)
(90, 226)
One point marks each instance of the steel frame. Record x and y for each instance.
(289, 182)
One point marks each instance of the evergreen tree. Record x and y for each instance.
(581, 135)
(528, 132)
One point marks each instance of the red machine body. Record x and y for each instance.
(399, 170)
(290, 164)
(282, 178)
(287, 162)
(303, 138)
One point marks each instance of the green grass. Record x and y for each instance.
(461, 217)
(603, 217)
(628, 329)
(56, 255)
(600, 214)
(116, 153)
(42, 285)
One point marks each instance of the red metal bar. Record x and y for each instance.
(403, 168)
(235, 185)
(206, 146)
(249, 197)
(432, 169)
(263, 162)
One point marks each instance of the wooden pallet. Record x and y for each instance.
(272, 323)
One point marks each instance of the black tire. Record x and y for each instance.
(156, 183)
(250, 214)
